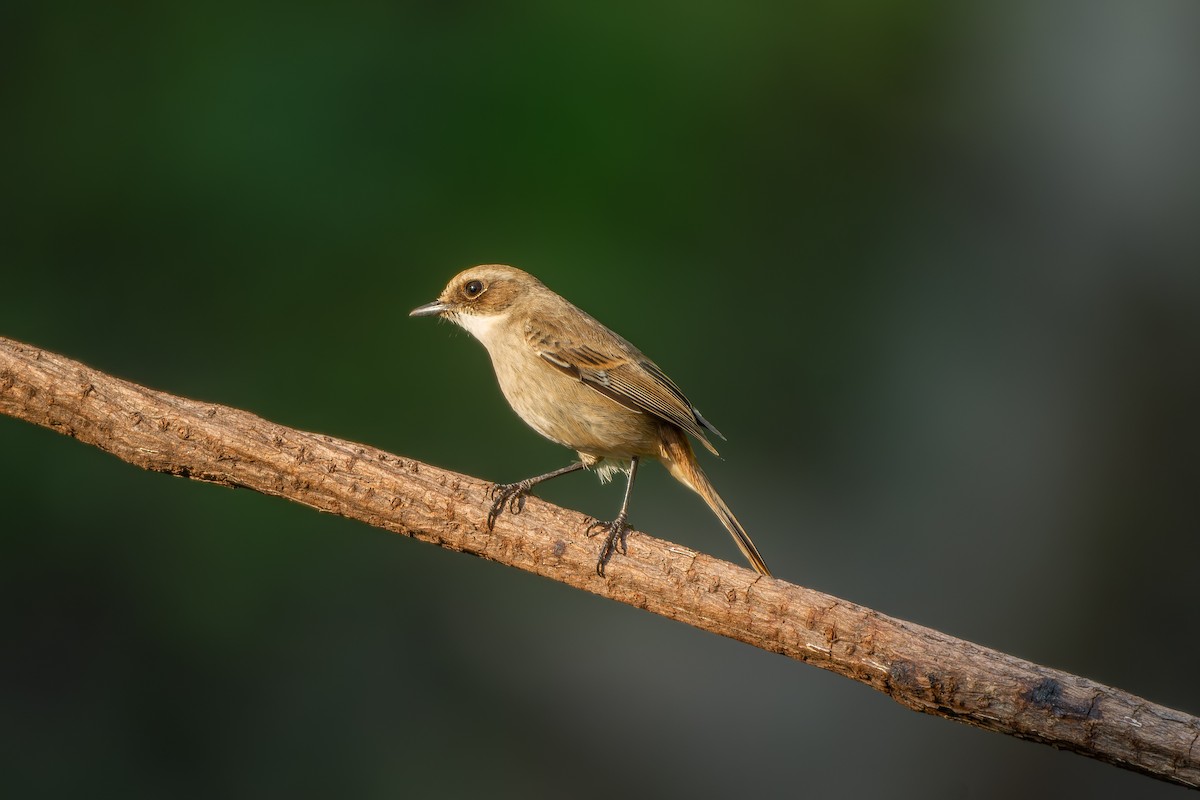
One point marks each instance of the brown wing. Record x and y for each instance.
(619, 371)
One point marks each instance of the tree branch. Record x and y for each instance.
(916, 666)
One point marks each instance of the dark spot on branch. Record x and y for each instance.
(1048, 694)
(1045, 693)
(941, 687)
(903, 676)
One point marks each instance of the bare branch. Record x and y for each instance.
(918, 667)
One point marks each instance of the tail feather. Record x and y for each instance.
(680, 461)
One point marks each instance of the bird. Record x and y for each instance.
(582, 386)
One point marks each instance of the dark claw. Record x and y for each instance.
(617, 531)
(510, 494)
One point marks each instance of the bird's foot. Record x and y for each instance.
(614, 539)
(508, 494)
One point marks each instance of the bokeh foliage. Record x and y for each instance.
(932, 268)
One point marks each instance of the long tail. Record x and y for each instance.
(680, 461)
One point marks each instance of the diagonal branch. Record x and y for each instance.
(916, 666)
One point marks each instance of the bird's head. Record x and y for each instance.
(478, 297)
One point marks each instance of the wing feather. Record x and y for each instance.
(618, 370)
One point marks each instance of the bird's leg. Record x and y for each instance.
(618, 529)
(513, 494)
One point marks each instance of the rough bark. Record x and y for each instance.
(918, 667)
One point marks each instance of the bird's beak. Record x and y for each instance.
(429, 309)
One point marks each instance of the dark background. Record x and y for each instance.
(932, 267)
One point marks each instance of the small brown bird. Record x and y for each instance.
(579, 384)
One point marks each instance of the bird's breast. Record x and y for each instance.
(567, 411)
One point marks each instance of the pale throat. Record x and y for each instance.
(481, 326)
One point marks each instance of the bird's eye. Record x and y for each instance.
(473, 289)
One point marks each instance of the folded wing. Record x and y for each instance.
(619, 371)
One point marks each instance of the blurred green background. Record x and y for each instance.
(933, 268)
